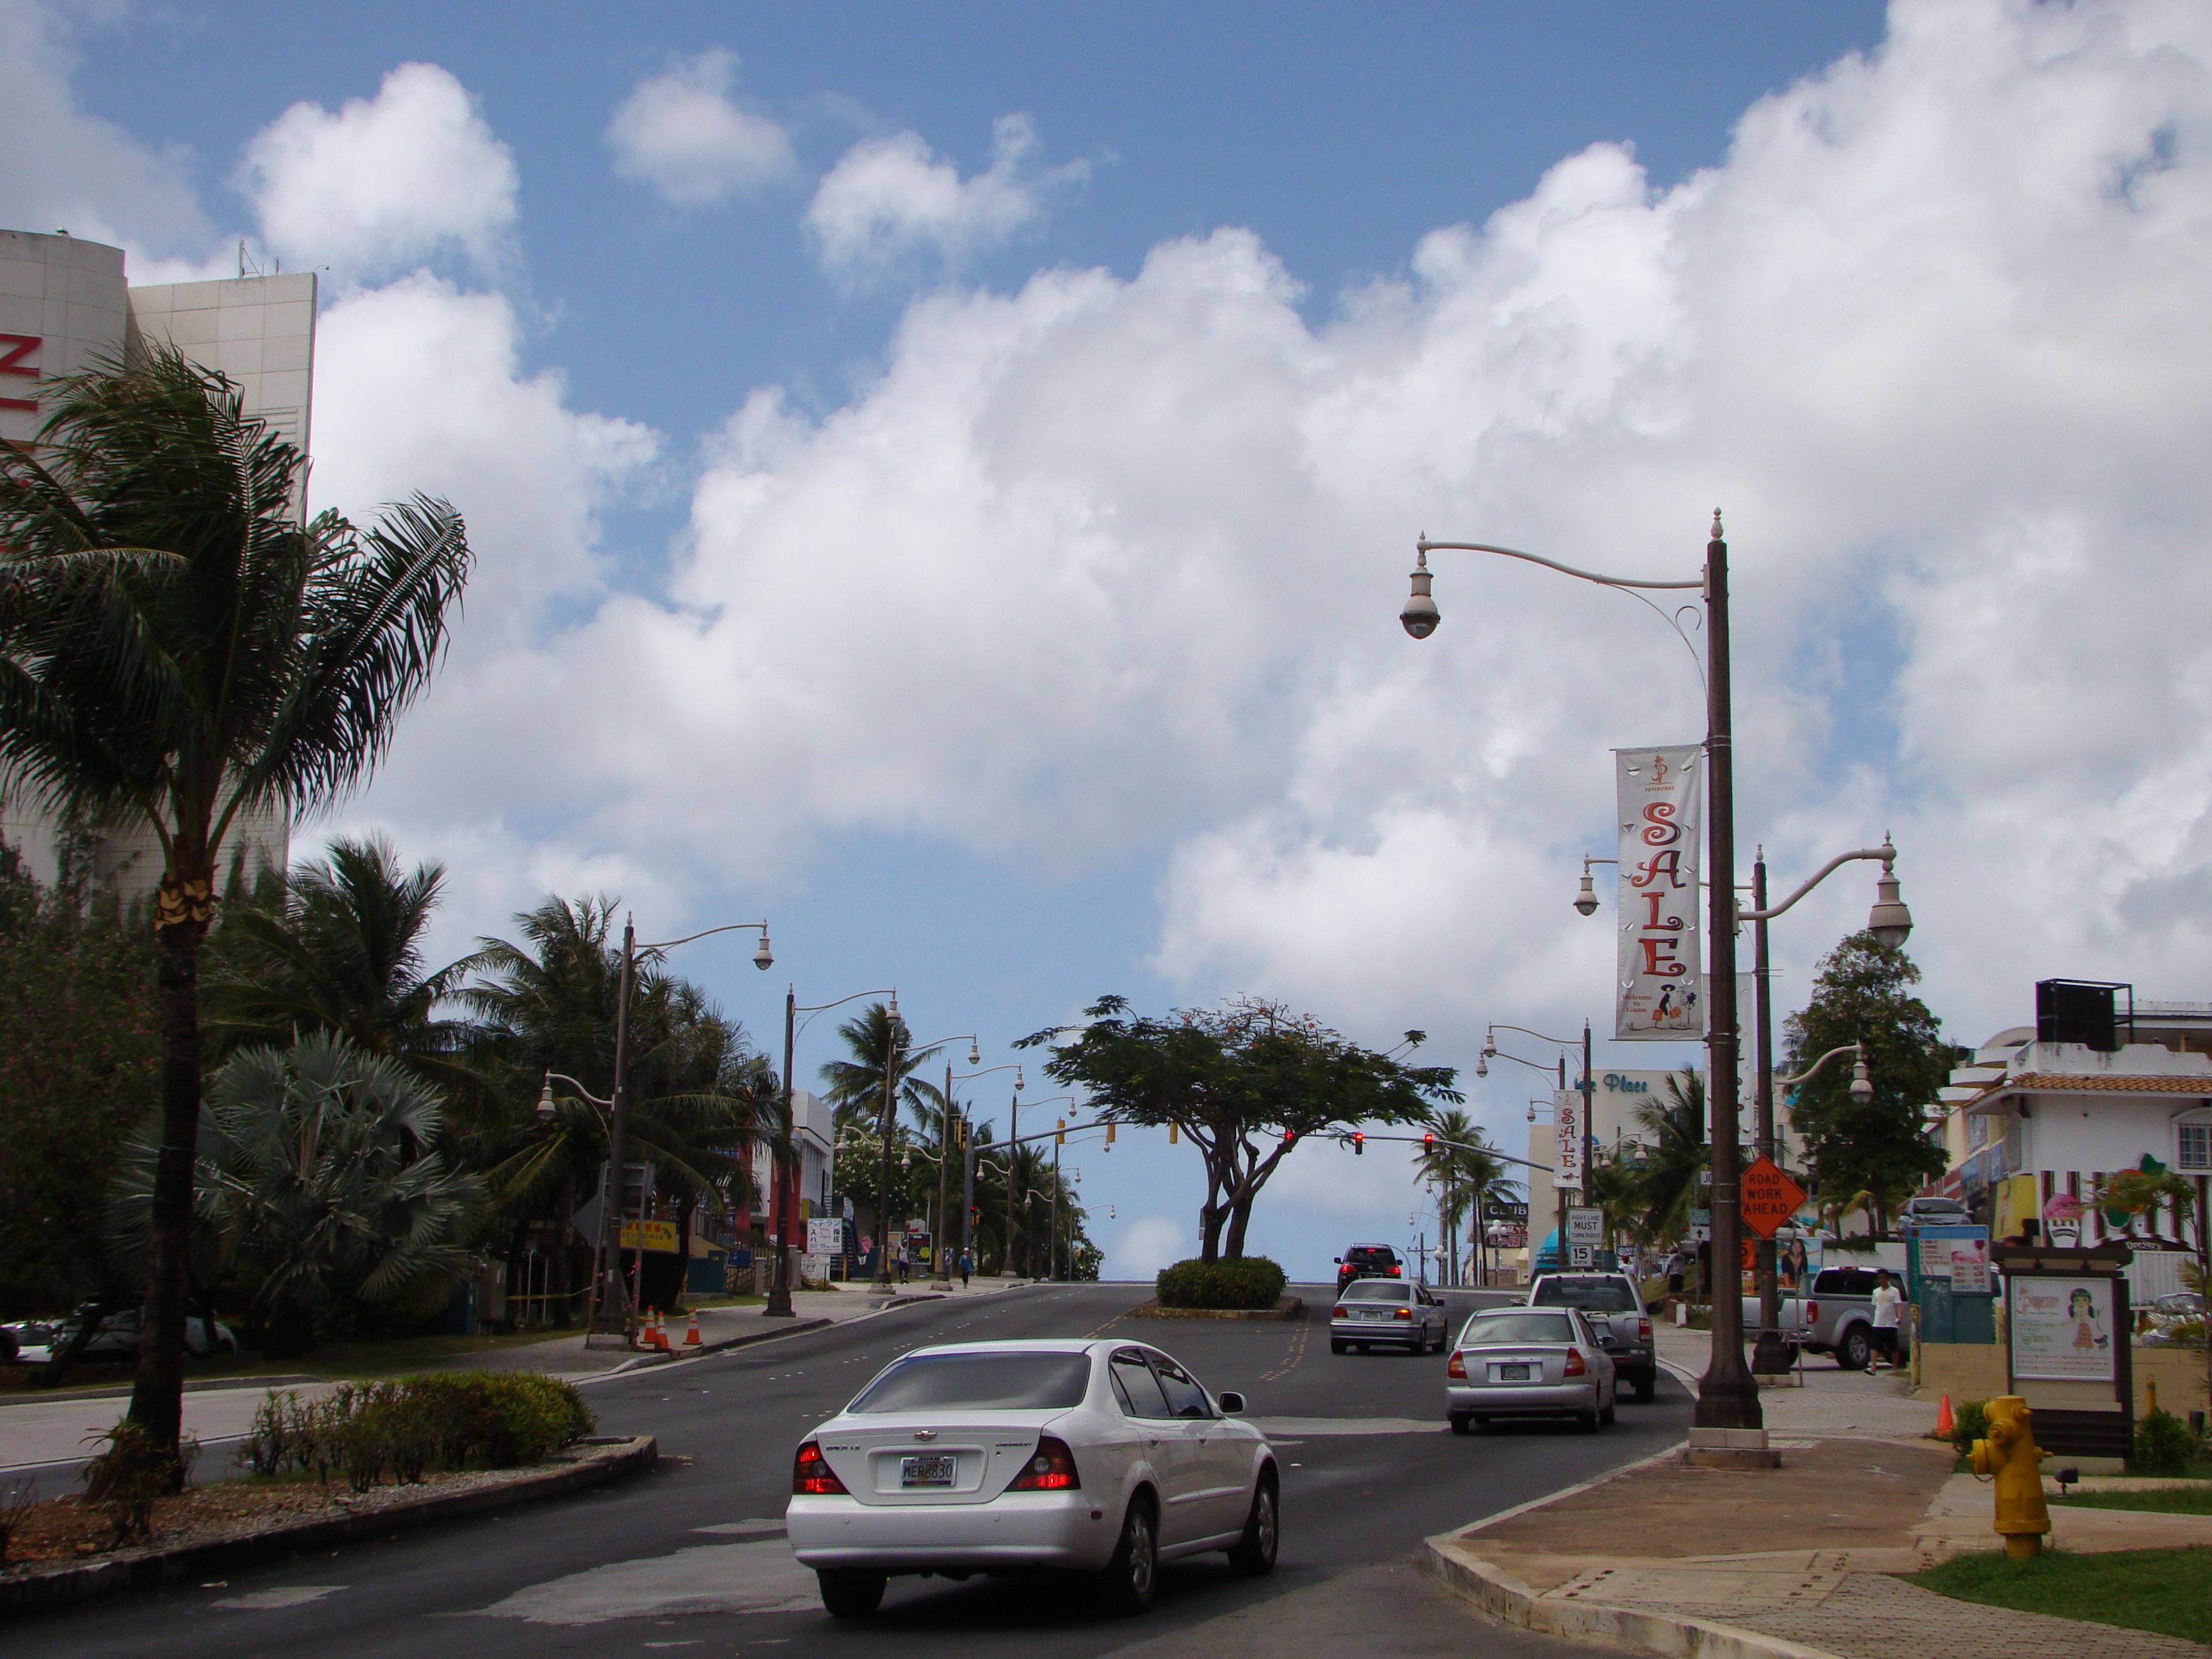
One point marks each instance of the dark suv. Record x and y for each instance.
(1368, 1261)
(1615, 1310)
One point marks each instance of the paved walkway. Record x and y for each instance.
(1804, 1561)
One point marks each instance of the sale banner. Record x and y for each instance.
(1659, 792)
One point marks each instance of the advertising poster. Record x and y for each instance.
(1567, 1157)
(1969, 1266)
(825, 1236)
(2061, 1329)
(1658, 792)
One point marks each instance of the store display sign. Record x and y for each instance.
(825, 1236)
(1567, 1163)
(2062, 1328)
(1656, 994)
(1960, 1254)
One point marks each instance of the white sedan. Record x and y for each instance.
(1106, 1458)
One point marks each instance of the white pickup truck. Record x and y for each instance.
(1835, 1316)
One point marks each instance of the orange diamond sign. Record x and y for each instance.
(1769, 1197)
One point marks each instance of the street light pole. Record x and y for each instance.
(782, 1173)
(943, 1280)
(894, 1044)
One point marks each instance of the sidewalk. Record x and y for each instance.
(51, 1434)
(1803, 1562)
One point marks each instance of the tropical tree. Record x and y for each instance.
(337, 947)
(1244, 1083)
(177, 649)
(1675, 1160)
(1881, 1146)
(318, 1178)
(854, 1087)
(1465, 1173)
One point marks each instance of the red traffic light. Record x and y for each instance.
(1290, 1136)
(1358, 1144)
(1428, 1140)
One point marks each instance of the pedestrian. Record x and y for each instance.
(1888, 1315)
(967, 1266)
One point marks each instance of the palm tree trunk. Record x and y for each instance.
(157, 1396)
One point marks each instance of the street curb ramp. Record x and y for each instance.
(46, 1589)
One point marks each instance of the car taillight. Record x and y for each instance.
(812, 1474)
(1458, 1366)
(1575, 1366)
(1340, 1311)
(1644, 1329)
(1050, 1468)
(1811, 1313)
(1394, 1270)
(1403, 1313)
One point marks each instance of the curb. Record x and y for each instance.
(122, 1390)
(646, 1361)
(146, 1568)
(1289, 1307)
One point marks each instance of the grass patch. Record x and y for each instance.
(2168, 1591)
(2173, 1500)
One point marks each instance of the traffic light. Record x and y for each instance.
(1109, 1134)
(1175, 1134)
(1289, 1139)
(1059, 1135)
(1428, 1140)
(975, 1214)
(1358, 1144)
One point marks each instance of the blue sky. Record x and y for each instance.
(944, 476)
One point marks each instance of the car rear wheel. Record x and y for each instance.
(1336, 1346)
(849, 1594)
(1854, 1349)
(1587, 1421)
(1611, 1414)
(1362, 1346)
(1463, 1423)
(1132, 1577)
(1647, 1388)
(1253, 1556)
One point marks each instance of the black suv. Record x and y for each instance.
(1368, 1261)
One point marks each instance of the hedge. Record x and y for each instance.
(411, 1425)
(1251, 1281)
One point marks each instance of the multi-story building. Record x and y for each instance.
(66, 304)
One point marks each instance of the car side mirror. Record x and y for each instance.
(1231, 1401)
(1338, 1259)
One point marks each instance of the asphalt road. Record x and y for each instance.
(693, 1556)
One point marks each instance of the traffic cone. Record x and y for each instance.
(691, 1336)
(1943, 1422)
(654, 1334)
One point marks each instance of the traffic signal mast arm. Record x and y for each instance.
(1456, 1146)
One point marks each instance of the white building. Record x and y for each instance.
(814, 1134)
(65, 306)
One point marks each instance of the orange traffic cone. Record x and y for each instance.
(654, 1338)
(660, 1330)
(1943, 1421)
(691, 1336)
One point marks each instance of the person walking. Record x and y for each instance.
(967, 1267)
(1888, 1316)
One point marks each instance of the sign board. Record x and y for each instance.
(1510, 1238)
(1493, 1211)
(1567, 1156)
(825, 1236)
(1659, 792)
(2062, 1328)
(1769, 1198)
(659, 1235)
(1579, 1256)
(1959, 1254)
(1701, 1217)
(1585, 1226)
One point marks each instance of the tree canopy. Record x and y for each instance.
(1245, 1082)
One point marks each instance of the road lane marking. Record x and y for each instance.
(292, 1596)
(760, 1576)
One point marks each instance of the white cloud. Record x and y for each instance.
(385, 183)
(682, 133)
(1107, 566)
(67, 170)
(1144, 1245)
(889, 199)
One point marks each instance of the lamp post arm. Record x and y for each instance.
(732, 927)
(1806, 1076)
(562, 1077)
(1565, 1042)
(1532, 1065)
(1425, 544)
(1885, 853)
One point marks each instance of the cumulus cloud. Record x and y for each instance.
(383, 184)
(890, 199)
(67, 170)
(683, 134)
(1107, 566)
(1145, 1245)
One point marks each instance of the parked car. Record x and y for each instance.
(1368, 1261)
(1615, 1312)
(1528, 1362)
(1836, 1316)
(1374, 1313)
(1933, 1212)
(2175, 1317)
(116, 1337)
(1104, 1457)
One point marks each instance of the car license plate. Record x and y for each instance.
(928, 1471)
(1374, 1313)
(1512, 1373)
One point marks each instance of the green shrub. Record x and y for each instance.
(131, 1471)
(1969, 1423)
(410, 1425)
(1251, 1281)
(2164, 1445)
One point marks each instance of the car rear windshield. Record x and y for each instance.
(1494, 1330)
(1376, 1290)
(1592, 1295)
(964, 1381)
(1371, 1253)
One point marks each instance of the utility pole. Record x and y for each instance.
(1013, 1140)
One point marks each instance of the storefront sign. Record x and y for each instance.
(2062, 1328)
(1659, 792)
(1567, 1159)
(825, 1236)
(659, 1235)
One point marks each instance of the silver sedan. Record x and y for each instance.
(1386, 1313)
(1528, 1362)
(1105, 1457)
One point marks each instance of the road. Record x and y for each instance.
(692, 1555)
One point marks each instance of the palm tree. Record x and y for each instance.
(1666, 1178)
(1463, 1178)
(315, 1174)
(855, 1092)
(177, 648)
(339, 948)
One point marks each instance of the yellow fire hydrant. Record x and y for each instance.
(2011, 1454)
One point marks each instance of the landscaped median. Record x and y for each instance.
(1243, 1287)
(365, 1459)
